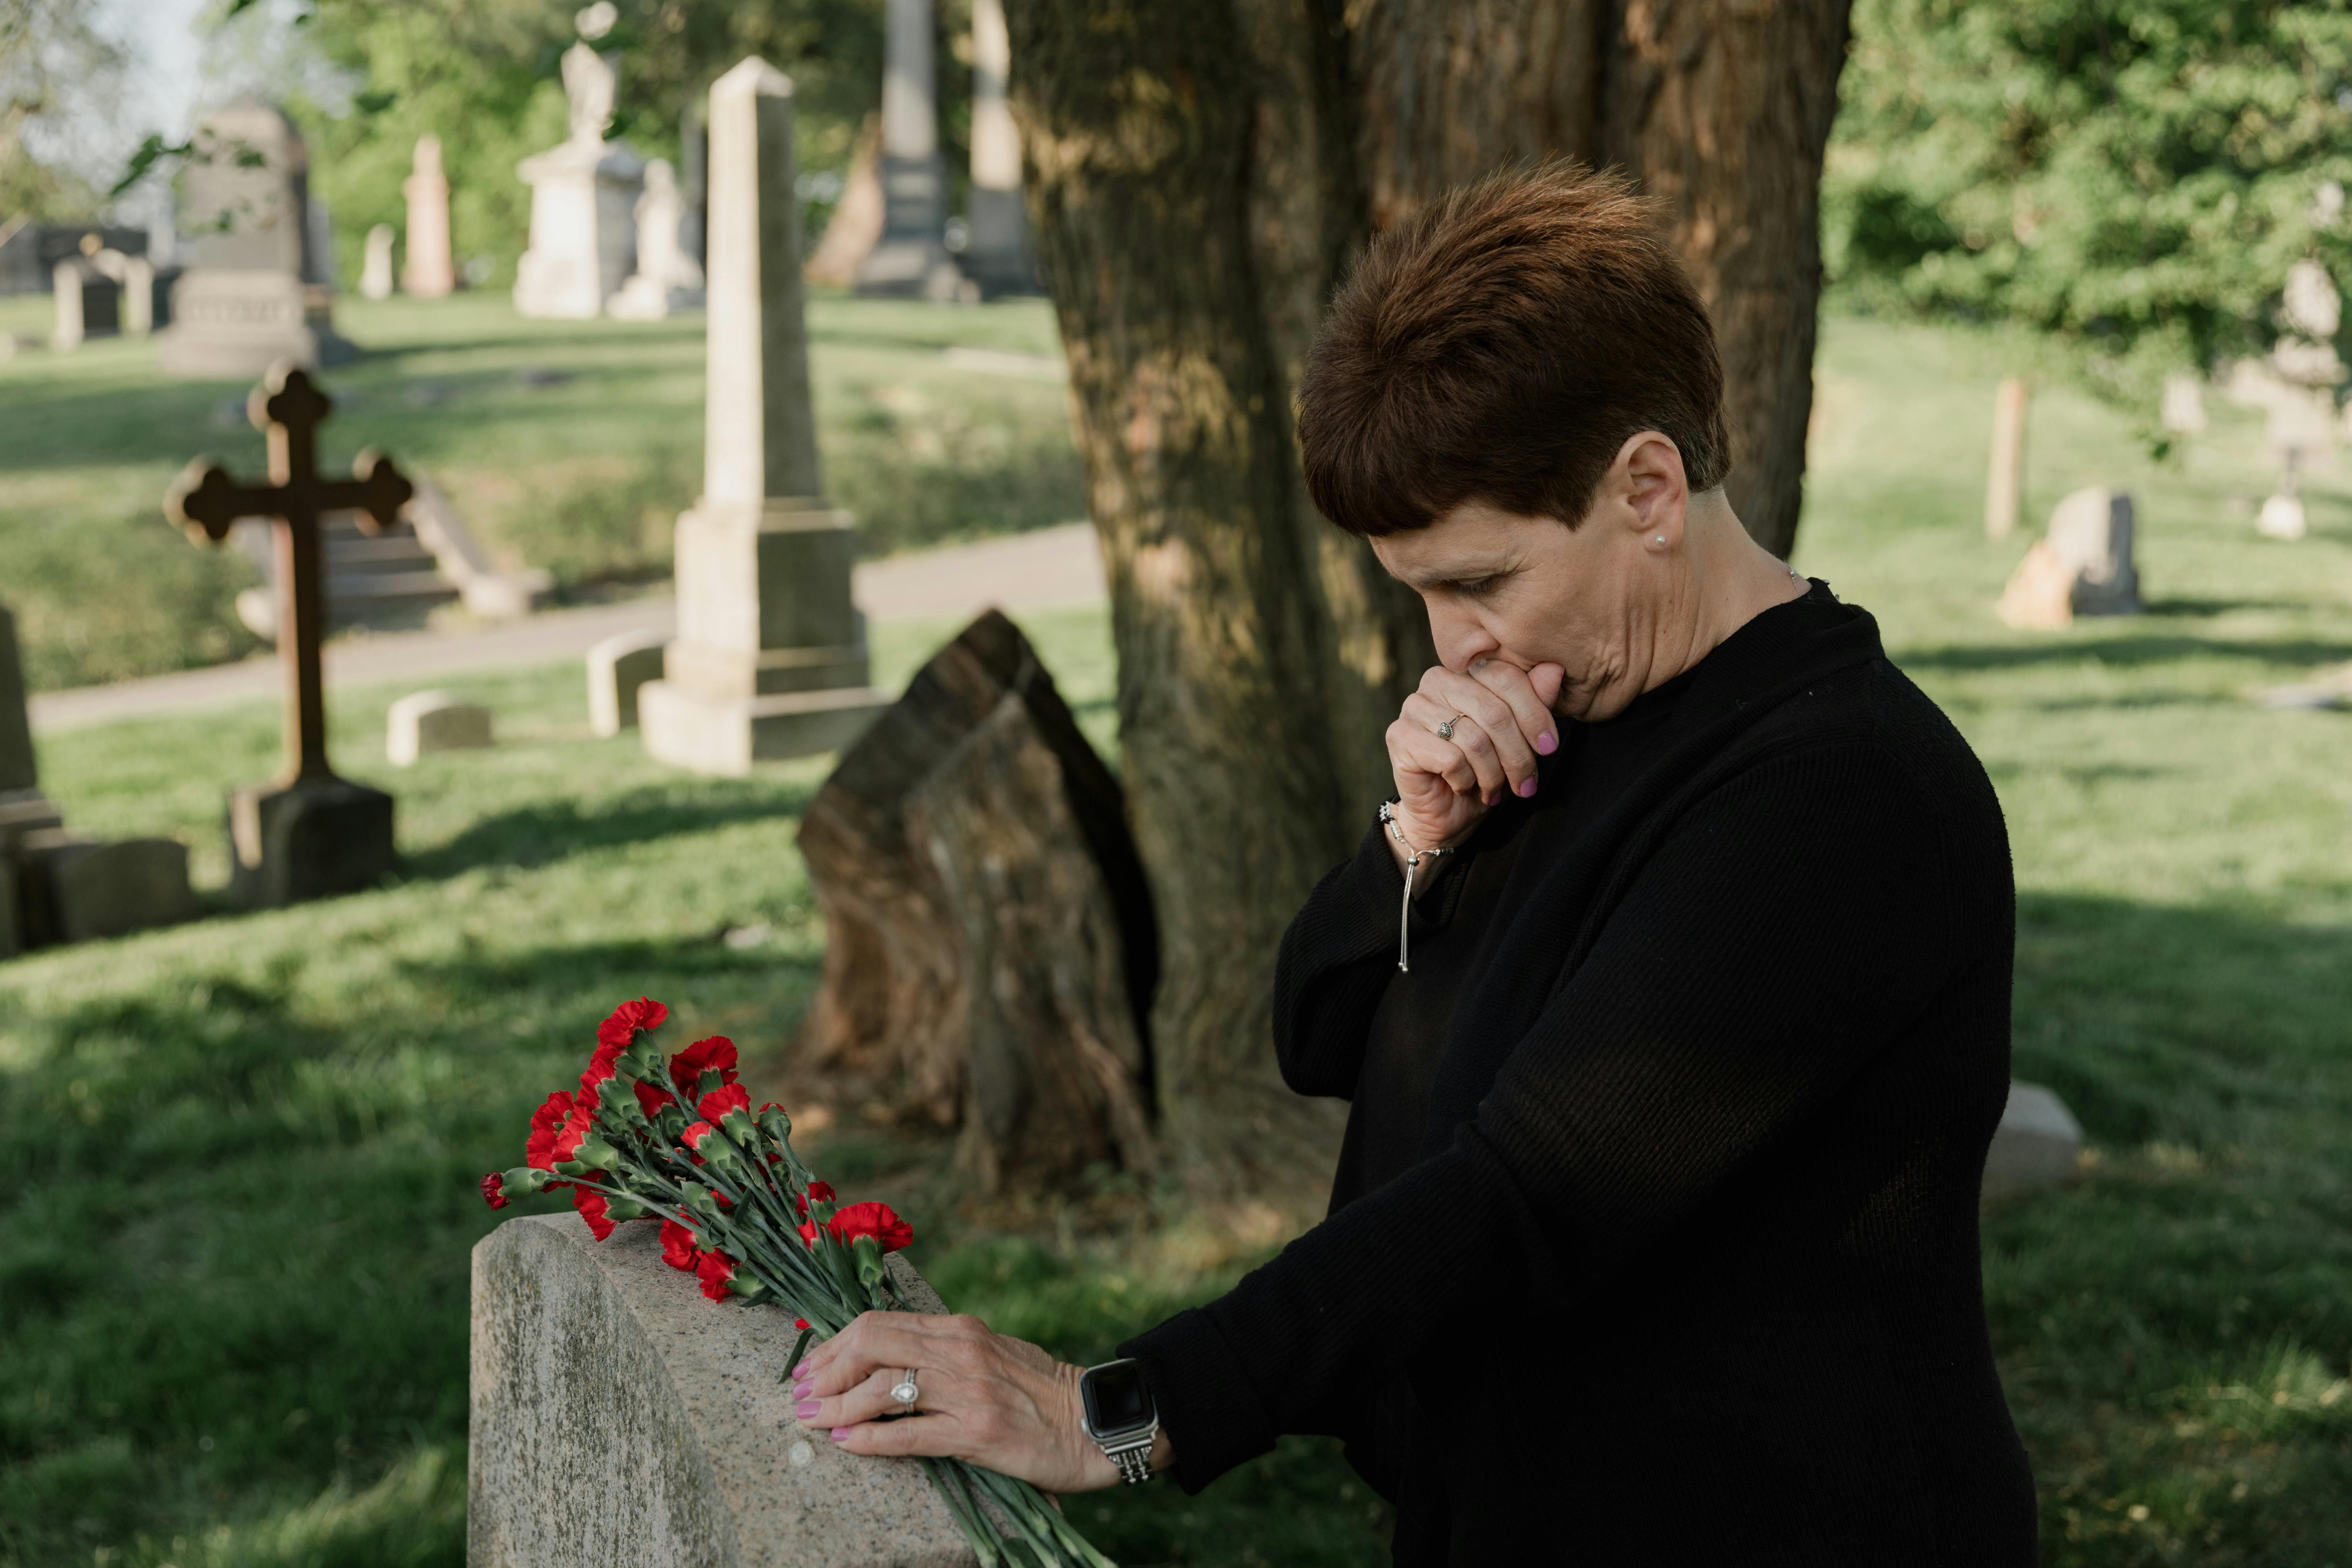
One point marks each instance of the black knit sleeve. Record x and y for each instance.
(1336, 959)
(1788, 927)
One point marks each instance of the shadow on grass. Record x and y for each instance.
(550, 831)
(562, 974)
(2125, 651)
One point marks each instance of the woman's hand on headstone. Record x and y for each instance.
(983, 1397)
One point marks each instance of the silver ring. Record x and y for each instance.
(906, 1393)
(1446, 731)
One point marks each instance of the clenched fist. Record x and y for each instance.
(1501, 720)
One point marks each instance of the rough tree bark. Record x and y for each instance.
(1201, 178)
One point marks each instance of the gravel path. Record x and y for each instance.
(1049, 567)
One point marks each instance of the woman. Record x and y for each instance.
(1670, 994)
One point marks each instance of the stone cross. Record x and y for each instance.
(205, 500)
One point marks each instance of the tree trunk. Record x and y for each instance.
(1202, 177)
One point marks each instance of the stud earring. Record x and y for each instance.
(1662, 539)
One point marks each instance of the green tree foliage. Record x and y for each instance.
(53, 62)
(2135, 176)
(483, 75)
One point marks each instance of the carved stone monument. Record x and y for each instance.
(425, 268)
(770, 659)
(911, 259)
(257, 289)
(2082, 566)
(997, 255)
(666, 278)
(619, 1417)
(375, 267)
(308, 834)
(583, 197)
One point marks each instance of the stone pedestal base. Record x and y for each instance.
(910, 261)
(73, 889)
(311, 839)
(688, 728)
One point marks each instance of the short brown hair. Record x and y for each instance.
(1500, 345)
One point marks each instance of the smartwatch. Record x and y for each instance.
(1121, 1416)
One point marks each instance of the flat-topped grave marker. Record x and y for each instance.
(309, 833)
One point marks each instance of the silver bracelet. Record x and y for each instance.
(1412, 860)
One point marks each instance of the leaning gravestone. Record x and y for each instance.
(619, 1417)
(2083, 565)
(258, 288)
(770, 659)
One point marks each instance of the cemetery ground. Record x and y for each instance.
(237, 1159)
(571, 446)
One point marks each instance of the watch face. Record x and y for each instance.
(1116, 1398)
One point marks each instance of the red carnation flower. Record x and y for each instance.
(651, 1100)
(574, 1131)
(873, 1219)
(494, 1190)
(591, 1207)
(618, 1030)
(679, 1249)
(693, 1138)
(715, 1054)
(546, 1125)
(720, 1102)
(800, 1323)
(600, 1068)
(818, 1193)
(715, 1269)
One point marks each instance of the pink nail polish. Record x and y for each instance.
(801, 1390)
(804, 1409)
(1492, 797)
(1547, 744)
(838, 1433)
(804, 1371)
(1526, 787)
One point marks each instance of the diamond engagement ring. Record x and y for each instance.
(906, 1393)
(1446, 731)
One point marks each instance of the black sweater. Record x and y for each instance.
(1681, 1265)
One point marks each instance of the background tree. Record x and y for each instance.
(56, 70)
(1202, 177)
(2133, 179)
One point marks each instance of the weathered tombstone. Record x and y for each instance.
(257, 289)
(2005, 476)
(583, 199)
(308, 834)
(87, 304)
(425, 268)
(2082, 566)
(426, 722)
(666, 278)
(911, 259)
(2182, 410)
(991, 948)
(770, 659)
(619, 1417)
(375, 265)
(134, 275)
(2304, 365)
(2036, 1144)
(618, 667)
(997, 255)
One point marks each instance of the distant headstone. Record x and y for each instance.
(134, 275)
(375, 265)
(2182, 412)
(583, 199)
(425, 268)
(770, 659)
(2082, 566)
(18, 771)
(258, 286)
(996, 255)
(617, 669)
(87, 305)
(2037, 1143)
(911, 259)
(666, 278)
(619, 1417)
(426, 722)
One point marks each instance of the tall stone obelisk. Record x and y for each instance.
(998, 258)
(770, 659)
(911, 260)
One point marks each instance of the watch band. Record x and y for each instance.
(1133, 1460)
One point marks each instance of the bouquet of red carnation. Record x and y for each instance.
(676, 1139)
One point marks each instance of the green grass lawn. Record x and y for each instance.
(567, 445)
(239, 1156)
